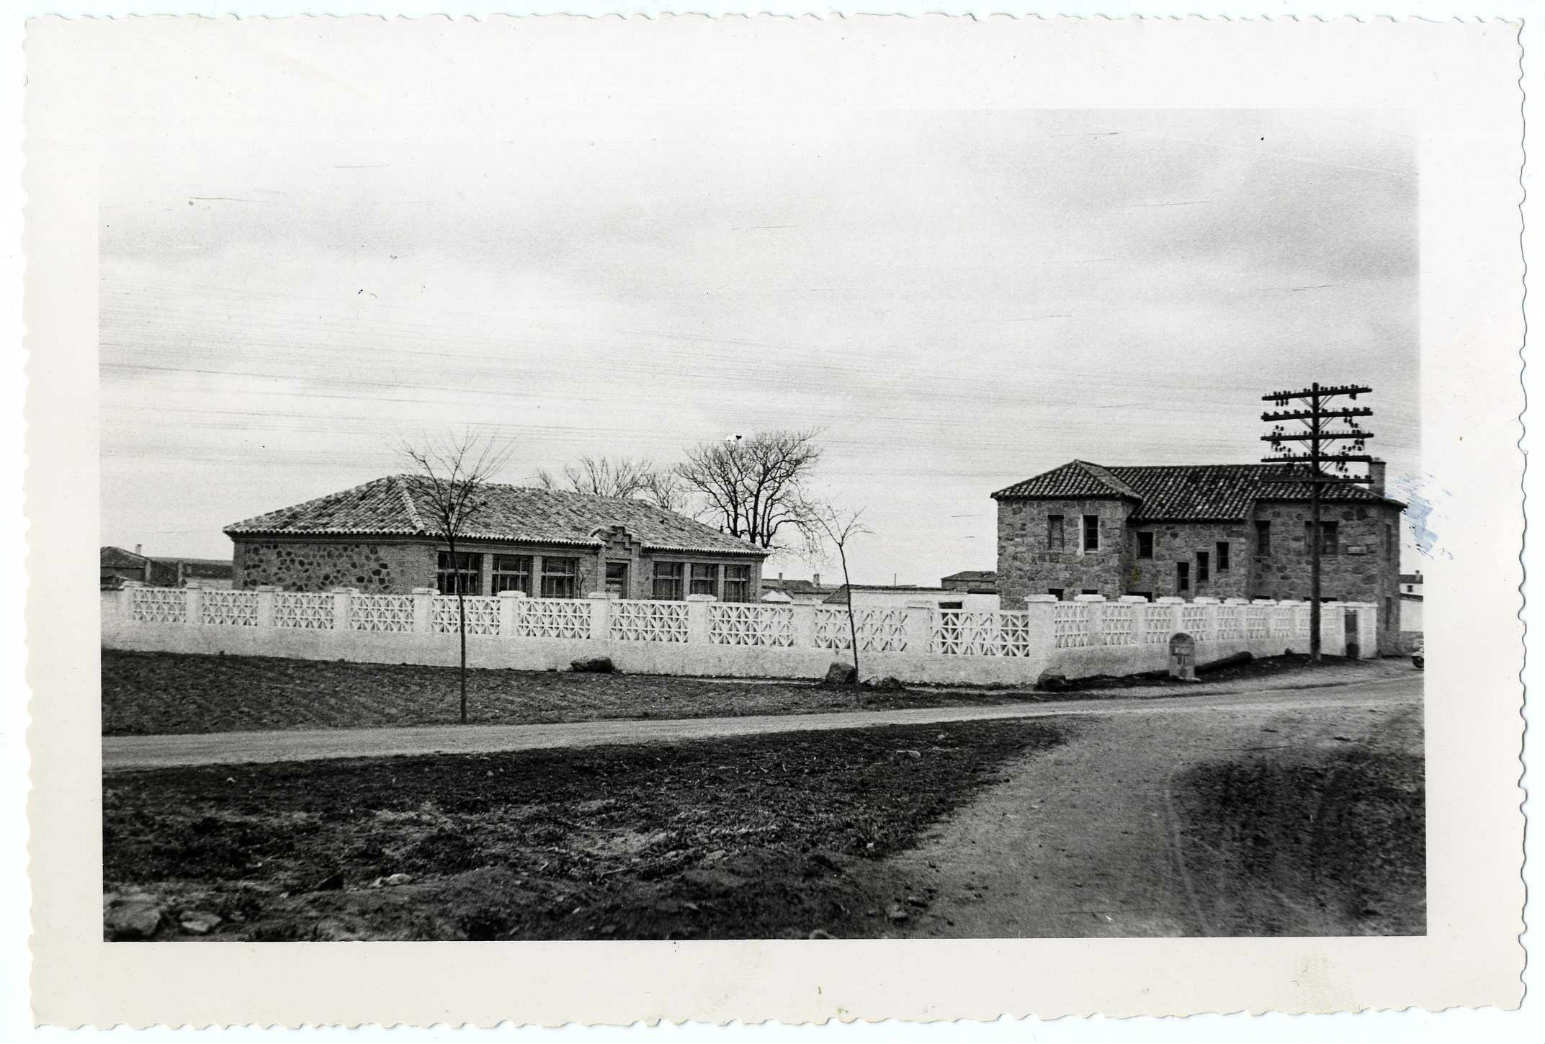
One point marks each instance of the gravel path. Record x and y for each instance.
(121, 753)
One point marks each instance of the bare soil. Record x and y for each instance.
(152, 693)
(763, 837)
(1231, 822)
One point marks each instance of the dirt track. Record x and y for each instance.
(1118, 832)
(141, 752)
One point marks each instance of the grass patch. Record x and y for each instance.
(751, 837)
(1329, 840)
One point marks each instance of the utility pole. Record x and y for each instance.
(1319, 445)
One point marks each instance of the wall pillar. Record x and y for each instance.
(1096, 604)
(919, 627)
(194, 615)
(342, 597)
(508, 608)
(265, 604)
(1043, 634)
(423, 609)
(600, 616)
(804, 624)
(697, 618)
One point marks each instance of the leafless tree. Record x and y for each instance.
(625, 477)
(829, 526)
(450, 489)
(753, 486)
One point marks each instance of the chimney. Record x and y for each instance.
(816, 579)
(1376, 473)
(780, 578)
(139, 548)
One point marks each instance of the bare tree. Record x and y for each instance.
(753, 486)
(625, 477)
(828, 526)
(450, 489)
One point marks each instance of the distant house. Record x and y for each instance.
(882, 596)
(118, 565)
(980, 581)
(1411, 602)
(1221, 530)
(802, 591)
(545, 543)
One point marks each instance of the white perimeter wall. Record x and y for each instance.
(916, 643)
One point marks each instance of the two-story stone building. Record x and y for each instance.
(545, 543)
(1216, 530)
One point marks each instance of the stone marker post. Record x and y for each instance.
(1182, 657)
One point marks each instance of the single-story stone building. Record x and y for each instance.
(548, 544)
(1215, 530)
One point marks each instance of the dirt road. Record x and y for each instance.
(1093, 837)
(121, 753)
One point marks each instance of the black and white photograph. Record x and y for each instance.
(610, 519)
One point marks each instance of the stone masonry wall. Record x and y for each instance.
(1369, 575)
(382, 568)
(1026, 566)
(1179, 542)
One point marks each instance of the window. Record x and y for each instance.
(1182, 576)
(1089, 590)
(512, 573)
(1389, 539)
(1330, 541)
(1223, 556)
(1263, 538)
(560, 577)
(1144, 545)
(1055, 540)
(1201, 567)
(466, 577)
(667, 580)
(1091, 532)
(737, 583)
(1388, 613)
(705, 579)
(1055, 592)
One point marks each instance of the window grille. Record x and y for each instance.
(467, 575)
(512, 573)
(737, 583)
(705, 578)
(667, 581)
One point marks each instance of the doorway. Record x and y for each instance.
(1349, 622)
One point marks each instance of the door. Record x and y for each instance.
(617, 579)
(1349, 622)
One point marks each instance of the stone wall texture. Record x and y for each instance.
(385, 568)
(1175, 542)
(1028, 566)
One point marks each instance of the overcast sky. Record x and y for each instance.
(957, 299)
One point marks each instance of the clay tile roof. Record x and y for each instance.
(397, 505)
(1183, 492)
(973, 574)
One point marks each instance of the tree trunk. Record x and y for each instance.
(858, 689)
(461, 627)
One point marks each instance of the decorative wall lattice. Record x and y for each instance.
(1255, 620)
(1193, 621)
(1230, 622)
(303, 610)
(649, 621)
(1119, 625)
(377, 612)
(552, 618)
(1282, 621)
(1070, 625)
(981, 633)
(1301, 619)
(482, 614)
(231, 608)
(1158, 624)
(159, 605)
(760, 625)
(879, 630)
